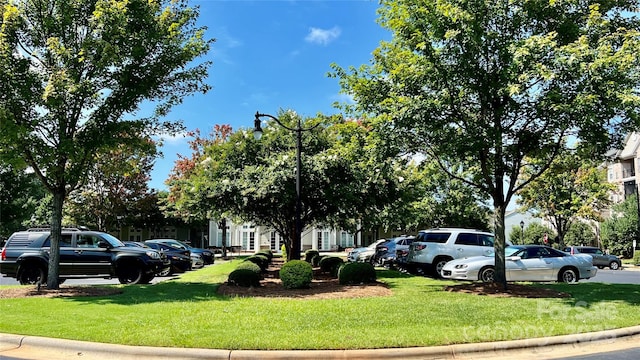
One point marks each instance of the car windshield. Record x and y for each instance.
(113, 240)
(510, 250)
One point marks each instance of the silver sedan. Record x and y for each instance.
(524, 263)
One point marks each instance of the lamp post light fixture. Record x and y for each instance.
(522, 231)
(257, 134)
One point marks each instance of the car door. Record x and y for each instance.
(470, 244)
(67, 255)
(599, 258)
(93, 255)
(530, 264)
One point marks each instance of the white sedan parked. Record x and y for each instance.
(524, 263)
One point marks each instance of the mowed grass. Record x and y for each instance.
(187, 312)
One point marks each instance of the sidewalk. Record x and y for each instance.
(33, 347)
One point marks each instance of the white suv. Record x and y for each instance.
(435, 247)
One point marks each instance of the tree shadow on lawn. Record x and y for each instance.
(591, 293)
(167, 291)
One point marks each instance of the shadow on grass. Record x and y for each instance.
(593, 293)
(168, 291)
(392, 274)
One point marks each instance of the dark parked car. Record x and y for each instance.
(600, 259)
(180, 258)
(83, 254)
(207, 255)
(385, 254)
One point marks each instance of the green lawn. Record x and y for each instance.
(188, 313)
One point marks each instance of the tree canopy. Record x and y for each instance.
(492, 83)
(571, 190)
(73, 75)
(619, 231)
(254, 181)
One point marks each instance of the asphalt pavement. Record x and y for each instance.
(620, 341)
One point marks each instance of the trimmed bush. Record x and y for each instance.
(244, 278)
(259, 260)
(266, 253)
(315, 261)
(250, 266)
(356, 273)
(296, 274)
(330, 264)
(310, 254)
(636, 258)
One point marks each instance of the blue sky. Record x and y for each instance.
(272, 55)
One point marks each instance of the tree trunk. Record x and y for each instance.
(223, 225)
(294, 246)
(499, 245)
(56, 232)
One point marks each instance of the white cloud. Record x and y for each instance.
(172, 139)
(322, 36)
(344, 98)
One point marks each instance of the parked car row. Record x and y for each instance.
(467, 254)
(524, 263)
(90, 254)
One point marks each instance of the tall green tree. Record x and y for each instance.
(619, 231)
(571, 189)
(74, 73)
(116, 183)
(20, 194)
(493, 83)
(254, 181)
(581, 233)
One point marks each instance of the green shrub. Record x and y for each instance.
(244, 278)
(636, 258)
(267, 253)
(296, 274)
(283, 249)
(310, 254)
(356, 273)
(330, 264)
(250, 266)
(259, 260)
(315, 261)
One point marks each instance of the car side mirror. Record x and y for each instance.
(103, 245)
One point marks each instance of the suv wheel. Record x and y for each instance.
(165, 272)
(130, 274)
(614, 265)
(146, 278)
(31, 274)
(438, 264)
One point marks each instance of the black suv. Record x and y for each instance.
(83, 254)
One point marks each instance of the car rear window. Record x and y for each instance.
(467, 239)
(434, 237)
(23, 239)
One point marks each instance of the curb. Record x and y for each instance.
(34, 347)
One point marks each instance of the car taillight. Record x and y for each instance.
(4, 254)
(419, 247)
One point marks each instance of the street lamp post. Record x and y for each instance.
(522, 231)
(257, 133)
